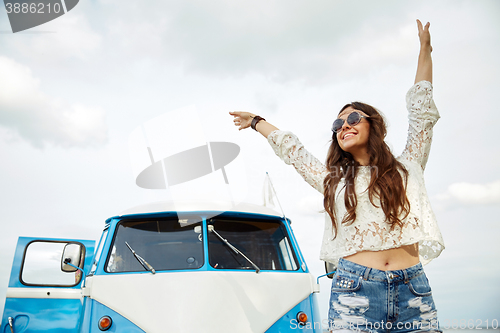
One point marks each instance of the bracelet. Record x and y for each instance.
(255, 120)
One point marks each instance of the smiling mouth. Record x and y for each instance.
(348, 135)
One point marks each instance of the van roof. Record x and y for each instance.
(199, 206)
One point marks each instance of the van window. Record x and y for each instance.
(98, 253)
(165, 244)
(42, 265)
(265, 243)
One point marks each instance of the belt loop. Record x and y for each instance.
(405, 273)
(367, 272)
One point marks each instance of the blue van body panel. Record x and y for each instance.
(94, 311)
(289, 323)
(43, 314)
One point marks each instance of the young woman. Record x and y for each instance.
(380, 227)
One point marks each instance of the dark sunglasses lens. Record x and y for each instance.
(337, 125)
(353, 119)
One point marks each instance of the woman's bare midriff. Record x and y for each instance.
(387, 260)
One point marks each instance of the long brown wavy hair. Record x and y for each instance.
(388, 181)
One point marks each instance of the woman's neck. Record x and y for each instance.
(363, 158)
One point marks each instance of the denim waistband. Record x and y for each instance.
(375, 274)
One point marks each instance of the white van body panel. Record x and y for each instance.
(205, 301)
(48, 293)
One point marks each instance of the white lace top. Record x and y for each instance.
(370, 231)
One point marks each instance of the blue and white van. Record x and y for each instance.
(167, 267)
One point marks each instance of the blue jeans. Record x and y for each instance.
(371, 300)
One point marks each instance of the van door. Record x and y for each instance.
(41, 296)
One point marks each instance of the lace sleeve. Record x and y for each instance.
(422, 116)
(288, 147)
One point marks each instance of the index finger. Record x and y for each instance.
(419, 25)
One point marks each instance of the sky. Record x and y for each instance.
(74, 90)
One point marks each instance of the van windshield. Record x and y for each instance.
(265, 243)
(178, 244)
(166, 244)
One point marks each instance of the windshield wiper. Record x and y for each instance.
(232, 247)
(143, 262)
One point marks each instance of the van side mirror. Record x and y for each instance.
(330, 268)
(72, 254)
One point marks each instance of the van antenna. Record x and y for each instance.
(276, 195)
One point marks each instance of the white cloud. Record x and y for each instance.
(68, 37)
(473, 194)
(285, 41)
(42, 119)
(311, 204)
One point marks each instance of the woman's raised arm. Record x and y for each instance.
(424, 67)
(244, 120)
(288, 147)
(422, 112)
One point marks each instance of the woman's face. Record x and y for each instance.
(353, 139)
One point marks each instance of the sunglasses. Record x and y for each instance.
(353, 119)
